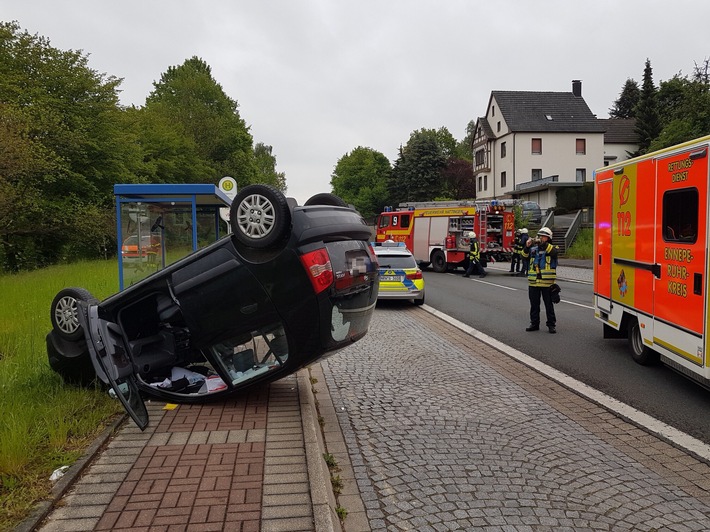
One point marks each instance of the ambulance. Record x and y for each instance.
(436, 232)
(651, 257)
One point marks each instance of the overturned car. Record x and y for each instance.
(290, 285)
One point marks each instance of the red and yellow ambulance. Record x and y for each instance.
(651, 256)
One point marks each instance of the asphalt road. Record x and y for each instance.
(498, 306)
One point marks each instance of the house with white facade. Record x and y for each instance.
(620, 139)
(530, 144)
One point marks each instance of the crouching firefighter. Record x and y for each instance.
(542, 274)
(474, 257)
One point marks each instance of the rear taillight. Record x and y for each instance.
(415, 275)
(317, 264)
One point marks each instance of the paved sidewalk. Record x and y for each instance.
(247, 464)
(430, 428)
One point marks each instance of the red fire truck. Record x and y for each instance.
(436, 232)
(651, 256)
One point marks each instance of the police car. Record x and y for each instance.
(400, 277)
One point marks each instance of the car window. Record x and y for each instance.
(396, 261)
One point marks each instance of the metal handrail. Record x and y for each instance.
(573, 229)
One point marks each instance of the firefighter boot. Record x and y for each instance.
(532, 327)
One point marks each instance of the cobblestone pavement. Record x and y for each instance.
(441, 432)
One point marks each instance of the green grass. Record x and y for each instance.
(583, 245)
(44, 423)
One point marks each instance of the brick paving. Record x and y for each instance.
(431, 430)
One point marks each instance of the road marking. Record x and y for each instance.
(576, 304)
(636, 417)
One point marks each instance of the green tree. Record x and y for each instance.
(417, 172)
(360, 178)
(648, 123)
(190, 100)
(266, 167)
(64, 146)
(625, 105)
(685, 104)
(464, 149)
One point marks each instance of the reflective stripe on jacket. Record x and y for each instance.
(543, 265)
(475, 252)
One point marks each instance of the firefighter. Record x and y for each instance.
(516, 261)
(523, 271)
(474, 257)
(542, 274)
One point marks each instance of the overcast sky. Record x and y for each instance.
(317, 78)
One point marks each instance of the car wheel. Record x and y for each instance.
(639, 352)
(438, 261)
(64, 312)
(260, 217)
(326, 198)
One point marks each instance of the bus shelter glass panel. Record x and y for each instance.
(154, 235)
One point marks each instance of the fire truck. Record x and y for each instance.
(436, 232)
(651, 256)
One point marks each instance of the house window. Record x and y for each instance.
(493, 110)
(536, 174)
(502, 179)
(499, 125)
(485, 182)
(537, 146)
(502, 150)
(480, 183)
(581, 146)
(680, 215)
(480, 157)
(581, 175)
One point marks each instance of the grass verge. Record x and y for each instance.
(44, 424)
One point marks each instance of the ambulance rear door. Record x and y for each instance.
(604, 184)
(680, 242)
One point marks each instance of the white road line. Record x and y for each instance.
(576, 304)
(659, 428)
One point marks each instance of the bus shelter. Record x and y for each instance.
(157, 225)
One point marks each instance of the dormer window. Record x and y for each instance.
(549, 117)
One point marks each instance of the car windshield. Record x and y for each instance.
(396, 261)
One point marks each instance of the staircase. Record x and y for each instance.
(558, 238)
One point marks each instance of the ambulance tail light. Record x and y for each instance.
(414, 276)
(320, 270)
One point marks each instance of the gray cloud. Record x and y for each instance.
(317, 78)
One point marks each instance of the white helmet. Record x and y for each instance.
(524, 230)
(471, 234)
(544, 231)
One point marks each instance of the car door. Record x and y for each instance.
(111, 361)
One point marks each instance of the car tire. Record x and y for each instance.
(260, 217)
(438, 261)
(419, 301)
(64, 312)
(326, 198)
(639, 352)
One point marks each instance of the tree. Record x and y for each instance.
(266, 167)
(458, 176)
(416, 175)
(464, 149)
(64, 146)
(190, 100)
(648, 124)
(625, 105)
(685, 105)
(360, 178)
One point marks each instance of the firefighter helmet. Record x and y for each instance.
(471, 234)
(524, 230)
(545, 231)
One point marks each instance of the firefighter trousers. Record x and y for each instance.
(535, 293)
